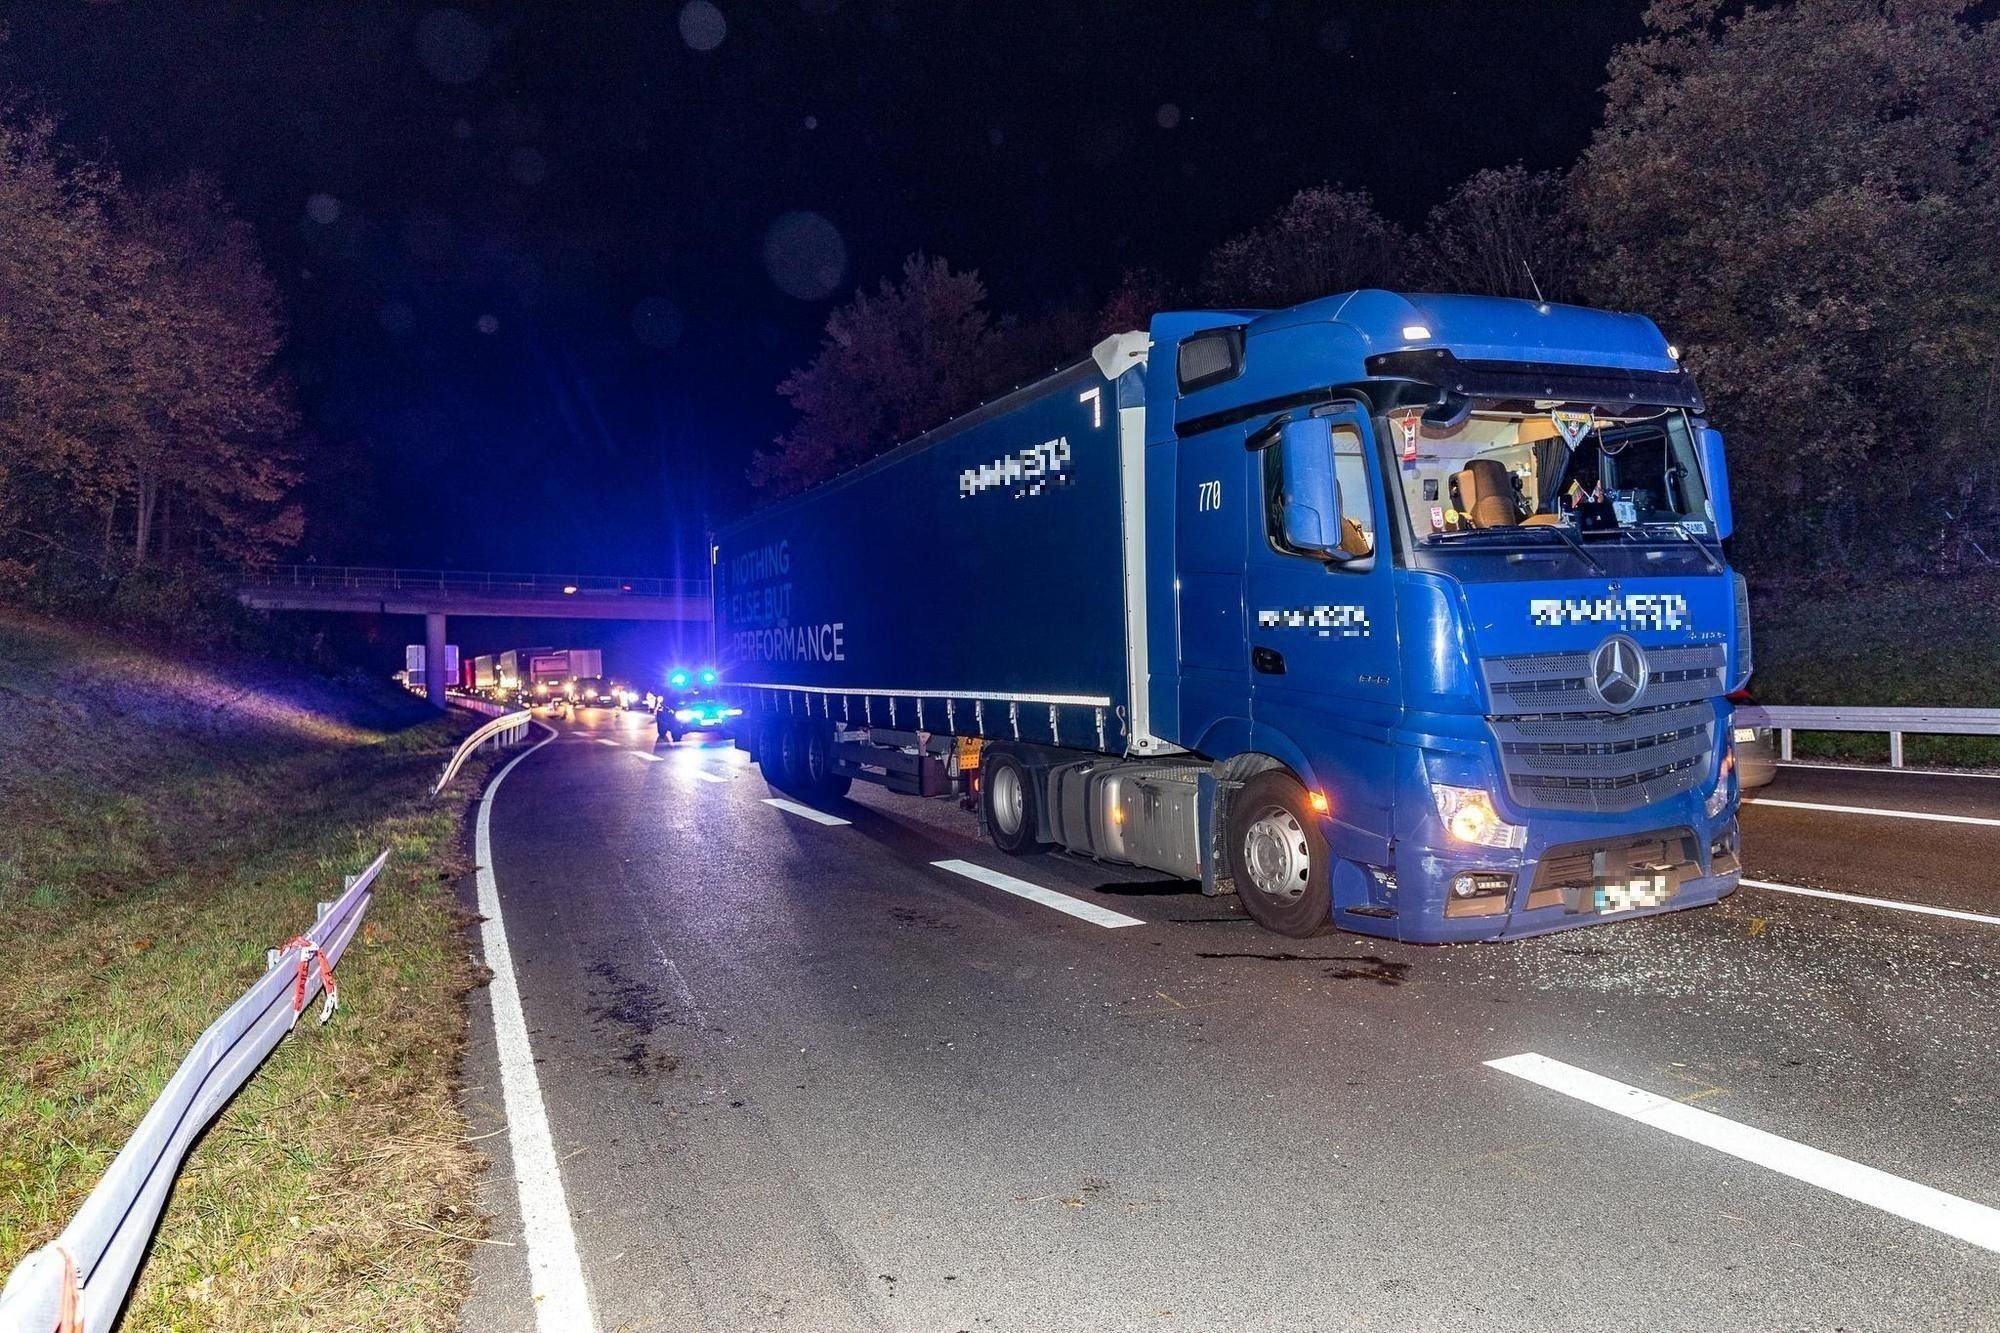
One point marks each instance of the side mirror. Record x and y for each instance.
(1309, 493)
(1715, 471)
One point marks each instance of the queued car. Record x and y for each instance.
(1756, 749)
(600, 692)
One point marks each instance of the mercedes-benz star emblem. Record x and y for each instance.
(1618, 672)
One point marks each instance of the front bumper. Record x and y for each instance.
(1555, 882)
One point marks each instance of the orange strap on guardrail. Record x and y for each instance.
(68, 1318)
(309, 953)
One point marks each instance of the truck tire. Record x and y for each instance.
(1279, 858)
(1011, 801)
(771, 751)
(820, 780)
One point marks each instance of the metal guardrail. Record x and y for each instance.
(1896, 722)
(368, 578)
(107, 1238)
(507, 729)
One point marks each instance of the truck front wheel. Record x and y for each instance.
(1279, 857)
(1011, 801)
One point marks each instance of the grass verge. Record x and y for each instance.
(161, 824)
(1912, 642)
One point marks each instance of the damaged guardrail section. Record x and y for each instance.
(507, 729)
(81, 1279)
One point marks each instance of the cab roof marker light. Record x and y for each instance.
(1416, 332)
(1673, 352)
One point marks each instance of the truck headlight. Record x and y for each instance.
(1469, 816)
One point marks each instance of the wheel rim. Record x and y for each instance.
(816, 760)
(1277, 855)
(1004, 791)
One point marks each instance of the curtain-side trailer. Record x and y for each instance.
(1405, 614)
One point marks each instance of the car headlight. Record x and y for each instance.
(683, 715)
(1469, 816)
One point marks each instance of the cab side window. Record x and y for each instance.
(1350, 469)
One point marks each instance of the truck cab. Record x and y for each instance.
(1448, 608)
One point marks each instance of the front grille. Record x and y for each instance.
(1562, 750)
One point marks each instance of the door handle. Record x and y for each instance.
(1268, 660)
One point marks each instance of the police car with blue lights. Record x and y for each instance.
(691, 706)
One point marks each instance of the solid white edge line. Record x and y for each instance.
(1974, 1223)
(1035, 893)
(804, 811)
(555, 1273)
(1924, 908)
(1872, 810)
(1877, 768)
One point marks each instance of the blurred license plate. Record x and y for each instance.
(1746, 734)
(1631, 893)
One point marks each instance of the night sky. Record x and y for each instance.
(544, 264)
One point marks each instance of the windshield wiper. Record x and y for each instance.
(1515, 530)
(1713, 557)
(1575, 543)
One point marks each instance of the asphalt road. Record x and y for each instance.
(797, 1076)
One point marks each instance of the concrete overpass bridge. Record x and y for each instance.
(436, 594)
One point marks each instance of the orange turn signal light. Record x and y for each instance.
(1317, 799)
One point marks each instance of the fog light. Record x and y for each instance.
(1480, 884)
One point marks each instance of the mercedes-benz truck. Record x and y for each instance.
(1405, 614)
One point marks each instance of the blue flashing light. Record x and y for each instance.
(677, 679)
(708, 676)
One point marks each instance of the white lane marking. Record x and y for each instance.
(1972, 1222)
(708, 777)
(1924, 908)
(605, 740)
(1873, 810)
(805, 811)
(1035, 893)
(1873, 768)
(555, 1274)
(649, 758)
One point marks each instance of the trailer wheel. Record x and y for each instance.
(821, 780)
(771, 751)
(1279, 857)
(1011, 804)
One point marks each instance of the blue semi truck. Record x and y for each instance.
(1405, 614)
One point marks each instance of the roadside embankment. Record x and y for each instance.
(162, 822)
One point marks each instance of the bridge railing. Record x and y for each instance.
(370, 578)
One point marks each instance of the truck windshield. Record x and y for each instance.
(1511, 468)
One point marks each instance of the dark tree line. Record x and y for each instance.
(1805, 194)
(142, 424)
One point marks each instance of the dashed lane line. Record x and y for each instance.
(649, 758)
(707, 776)
(1974, 1223)
(1876, 810)
(1035, 893)
(555, 1274)
(804, 811)
(1922, 908)
(604, 740)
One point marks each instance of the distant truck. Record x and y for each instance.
(547, 673)
(1403, 614)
